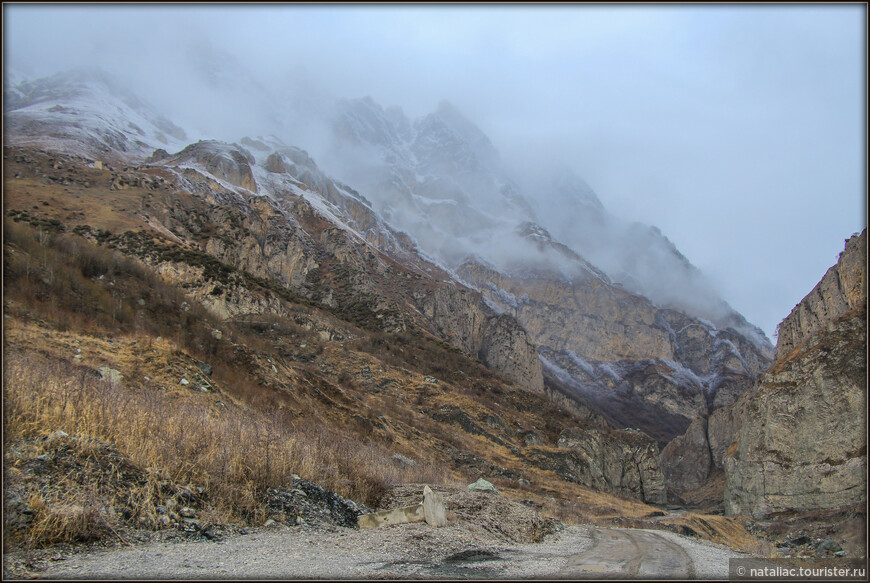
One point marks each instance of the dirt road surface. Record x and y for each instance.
(406, 551)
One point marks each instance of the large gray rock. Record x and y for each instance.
(111, 375)
(434, 511)
(481, 485)
(507, 348)
(722, 428)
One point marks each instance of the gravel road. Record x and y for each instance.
(407, 551)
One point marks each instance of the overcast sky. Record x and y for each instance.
(738, 130)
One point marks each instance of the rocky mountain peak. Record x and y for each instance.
(447, 142)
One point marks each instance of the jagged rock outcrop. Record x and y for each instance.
(801, 441)
(506, 347)
(623, 462)
(442, 179)
(686, 460)
(498, 341)
(843, 288)
(584, 314)
(228, 162)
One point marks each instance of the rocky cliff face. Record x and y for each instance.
(650, 368)
(801, 440)
(686, 460)
(228, 162)
(843, 288)
(290, 242)
(622, 462)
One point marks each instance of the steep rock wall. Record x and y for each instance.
(843, 288)
(801, 439)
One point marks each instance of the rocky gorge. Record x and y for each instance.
(795, 440)
(357, 316)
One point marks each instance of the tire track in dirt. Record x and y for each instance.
(630, 554)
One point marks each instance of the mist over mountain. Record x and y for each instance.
(621, 321)
(438, 178)
(322, 255)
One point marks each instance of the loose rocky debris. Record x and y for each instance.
(485, 515)
(308, 503)
(62, 488)
(95, 498)
(821, 534)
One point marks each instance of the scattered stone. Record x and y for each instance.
(217, 334)
(312, 504)
(185, 382)
(269, 522)
(801, 540)
(205, 368)
(482, 485)
(531, 438)
(432, 380)
(161, 510)
(402, 460)
(828, 546)
(187, 512)
(110, 375)
(56, 436)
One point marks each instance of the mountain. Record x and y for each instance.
(308, 308)
(87, 112)
(409, 254)
(623, 319)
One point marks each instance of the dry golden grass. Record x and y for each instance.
(725, 530)
(235, 455)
